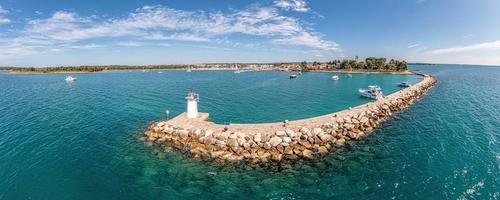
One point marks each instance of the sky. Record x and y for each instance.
(70, 32)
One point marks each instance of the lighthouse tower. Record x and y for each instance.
(192, 104)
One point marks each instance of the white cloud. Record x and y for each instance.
(495, 45)
(3, 19)
(63, 28)
(296, 5)
(413, 46)
(177, 36)
(129, 44)
(308, 39)
(86, 46)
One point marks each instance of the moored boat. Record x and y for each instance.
(70, 79)
(404, 84)
(293, 76)
(335, 77)
(372, 92)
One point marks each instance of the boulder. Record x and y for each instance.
(183, 134)
(276, 156)
(287, 139)
(267, 145)
(322, 150)
(340, 142)
(317, 131)
(241, 140)
(168, 130)
(247, 146)
(275, 141)
(290, 133)
(257, 139)
(232, 143)
(307, 154)
(208, 133)
(197, 132)
(326, 138)
(280, 133)
(304, 130)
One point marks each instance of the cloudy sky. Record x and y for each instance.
(70, 32)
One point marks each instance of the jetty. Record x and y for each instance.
(310, 138)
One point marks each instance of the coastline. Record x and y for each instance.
(215, 69)
(273, 142)
(58, 72)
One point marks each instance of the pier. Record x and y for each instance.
(280, 141)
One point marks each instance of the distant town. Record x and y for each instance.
(369, 64)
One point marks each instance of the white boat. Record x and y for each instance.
(293, 76)
(372, 92)
(404, 84)
(160, 72)
(237, 71)
(69, 79)
(349, 75)
(335, 77)
(188, 70)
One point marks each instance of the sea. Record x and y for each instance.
(80, 140)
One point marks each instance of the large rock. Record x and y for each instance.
(208, 133)
(322, 150)
(241, 140)
(326, 138)
(275, 141)
(307, 154)
(276, 156)
(183, 134)
(287, 139)
(317, 131)
(196, 133)
(257, 138)
(304, 130)
(340, 142)
(168, 130)
(232, 142)
(363, 120)
(290, 133)
(280, 133)
(267, 145)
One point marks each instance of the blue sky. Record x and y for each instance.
(50, 33)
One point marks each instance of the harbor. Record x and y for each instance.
(195, 134)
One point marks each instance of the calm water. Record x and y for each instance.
(79, 141)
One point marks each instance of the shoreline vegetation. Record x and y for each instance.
(369, 65)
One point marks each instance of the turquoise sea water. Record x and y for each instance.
(79, 141)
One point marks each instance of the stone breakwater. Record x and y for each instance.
(274, 142)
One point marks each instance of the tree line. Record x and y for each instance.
(372, 63)
(93, 68)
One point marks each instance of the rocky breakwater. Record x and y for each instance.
(274, 142)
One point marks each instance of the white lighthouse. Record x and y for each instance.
(192, 104)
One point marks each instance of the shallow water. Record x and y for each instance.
(79, 141)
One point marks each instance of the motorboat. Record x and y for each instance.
(237, 71)
(70, 79)
(293, 76)
(372, 92)
(349, 76)
(404, 84)
(335, 77)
